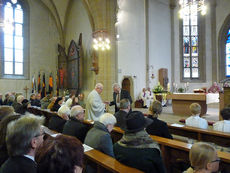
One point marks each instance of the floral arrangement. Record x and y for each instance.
(158, 88)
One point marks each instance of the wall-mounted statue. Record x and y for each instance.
(62, 68)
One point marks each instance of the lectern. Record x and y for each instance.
(224, 99)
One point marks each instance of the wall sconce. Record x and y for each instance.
(101, 40)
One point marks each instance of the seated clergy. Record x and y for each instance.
(58, 121)
(195, 119)
(223, 125)
(136, 148)
(157, 127)
(23, 138)
(121, 114)
(143, 97)
(99, 137)
(214, 88)
(74, 126)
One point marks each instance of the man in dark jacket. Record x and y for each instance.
(37, 101)
(74, 126)
(118, 95)
(57, 121)
(121, 114)
(23, 138)
(136, 148)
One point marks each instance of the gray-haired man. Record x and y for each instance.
(74, 126)
(118, 95)
(23, 137)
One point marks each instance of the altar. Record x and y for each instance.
(182, 101)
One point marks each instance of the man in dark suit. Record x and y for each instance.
(23, 138)
(122, 113)
(74, 126)
(119, 94)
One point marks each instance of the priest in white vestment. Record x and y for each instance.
(143, 96)
(94, 105)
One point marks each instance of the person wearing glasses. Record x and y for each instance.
(75, 126)
(23, 137)
(94, 105)
(203, 158)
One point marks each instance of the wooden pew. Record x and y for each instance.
(103, 162)
(175, 152)
(107, 163)
(219, 138)
(41, 112)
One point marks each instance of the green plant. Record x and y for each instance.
(180, 90)
(158, 88)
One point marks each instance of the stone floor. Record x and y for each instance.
(168, 116)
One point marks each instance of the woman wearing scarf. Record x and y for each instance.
(136, 148)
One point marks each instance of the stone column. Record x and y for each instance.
(104, 16)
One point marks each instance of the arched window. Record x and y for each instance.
(224, 49)
(192, 45)
(227, 56)
(14, 54)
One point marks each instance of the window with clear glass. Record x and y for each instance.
(13, 39)
(227, 56)
(190, 39)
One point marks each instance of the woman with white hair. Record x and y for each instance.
(99, 137)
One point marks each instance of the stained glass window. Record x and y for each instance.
(13, 38)
(228, 54)
(190, 43)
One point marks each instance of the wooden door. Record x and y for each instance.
(126, 84)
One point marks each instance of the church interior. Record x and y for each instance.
(175, 48)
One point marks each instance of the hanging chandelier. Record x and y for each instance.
(101, 40)
(192, 7)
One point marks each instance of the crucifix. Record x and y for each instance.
(26, 90)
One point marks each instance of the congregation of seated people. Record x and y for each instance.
(22, 148)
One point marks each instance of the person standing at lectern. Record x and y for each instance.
(119, 94)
